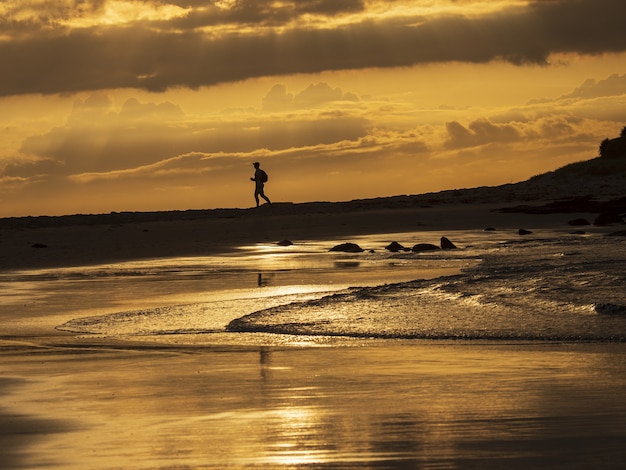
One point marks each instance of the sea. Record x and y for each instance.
(497, 285)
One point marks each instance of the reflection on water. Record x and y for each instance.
(347, 264)
(452, 406)
(218, 288)
(449, 407)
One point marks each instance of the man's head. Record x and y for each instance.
(256, 164)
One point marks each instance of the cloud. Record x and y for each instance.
(614, 85)
(479, 132)
(262, 13)
(207, 47)
(98, 138)
(602, 100)
(318, 94)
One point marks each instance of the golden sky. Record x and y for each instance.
(135, 105)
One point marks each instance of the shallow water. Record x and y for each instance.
(550, 286)
(273, 357)
(563, 288)
(197, 297)
(401, 405)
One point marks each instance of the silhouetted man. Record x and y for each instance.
(260, 177)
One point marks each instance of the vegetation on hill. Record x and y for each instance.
(611, 162)
(614, 148)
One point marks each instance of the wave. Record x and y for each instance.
(560, 289)
(564, 290)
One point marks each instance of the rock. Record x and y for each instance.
(347, 248)
(610, 309)
(394, 247)
(579, 222)
(608, 218)
(447, 244)
(578, 232)
(490, 229)
(39, 245)
(285, 243)
(524, 232)
(424, 247)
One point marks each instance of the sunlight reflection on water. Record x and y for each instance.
(397, 405)
(267, 272)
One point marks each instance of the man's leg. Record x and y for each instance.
(265, 197)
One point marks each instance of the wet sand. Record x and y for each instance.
(82, 240)
(102, 403)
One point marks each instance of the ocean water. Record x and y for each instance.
(497, 286)
(559, 288)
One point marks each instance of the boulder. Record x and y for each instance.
(447, 244)
(579, 222)
(490, 229)
(394, 247)
(285, 243)
(347, 248)
(523, 231)
(610, 309)
(424, 247)
(608, 218)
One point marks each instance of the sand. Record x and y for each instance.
(80, 240)
(369, 404)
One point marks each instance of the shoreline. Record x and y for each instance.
(77, 400)
(92, 240)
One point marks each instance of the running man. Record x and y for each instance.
(260, 178)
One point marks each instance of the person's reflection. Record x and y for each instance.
(262, 281)
(264, 361)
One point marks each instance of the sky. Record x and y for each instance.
(146, 105)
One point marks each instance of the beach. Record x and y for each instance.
(116, 350)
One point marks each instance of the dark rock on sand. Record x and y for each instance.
(394, 247)
(39, 245)
(610, 309)
(579, 222)
(490, 229)
(347, 248)
(608, 218)
(424, 247)
(447, 244)
(523, 231)
(285, 243)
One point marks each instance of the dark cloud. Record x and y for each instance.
(480, 132)
(541, 132)
(152, 58)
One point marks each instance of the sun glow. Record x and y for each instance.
(119, 12)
